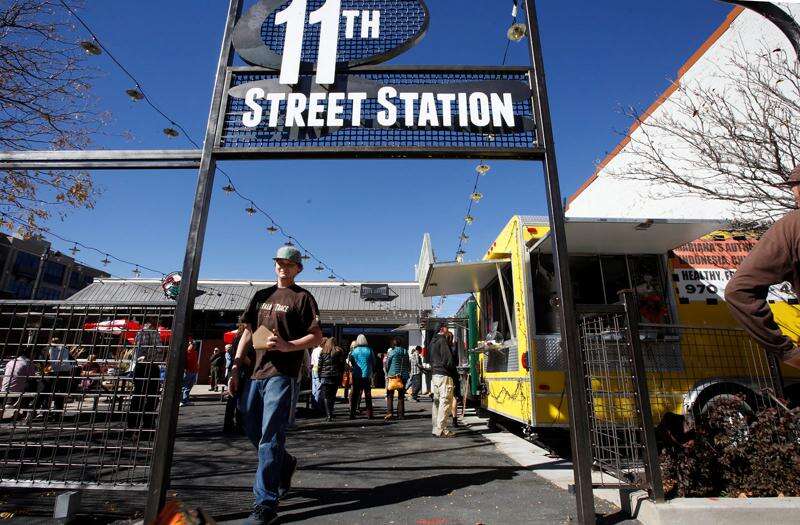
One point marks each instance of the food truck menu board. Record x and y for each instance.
(702, 269)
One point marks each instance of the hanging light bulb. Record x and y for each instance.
(517, 32)
(288, 243)
(106, 261)
(305, 256)
(135, 94)
(342, 285)
(171, 132)
(137, 272)
(483, 169)
(477, 196)
(74, 250)
(320, 268)
(460, 256)
(272, 229)
(91, 48)
(354, 291)
(228, 188)
(464, 237)
(250, 210)
(332, 277)
(469, 219)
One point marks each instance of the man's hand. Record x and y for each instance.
(233, 381)
(277, 343)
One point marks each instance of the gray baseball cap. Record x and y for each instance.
(289, 253)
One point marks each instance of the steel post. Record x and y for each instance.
(652, 463)
(168, 416)
(578, 420)
(472, 329)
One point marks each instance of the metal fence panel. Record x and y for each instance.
(680, 369)
(80, 393)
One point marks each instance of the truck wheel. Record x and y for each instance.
(717, 392)
(792, 395)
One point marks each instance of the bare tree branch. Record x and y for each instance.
(732, 137)
(45, 103)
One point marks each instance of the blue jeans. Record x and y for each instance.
(316, 392)
(265, 406)
(295, 398)
(189, 379)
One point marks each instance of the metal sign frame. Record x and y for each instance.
(206, 160)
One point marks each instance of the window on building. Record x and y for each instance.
(20, 288)
(78, 280)
(26, 264)
(4, 252)
(48, 294)
(53, 273)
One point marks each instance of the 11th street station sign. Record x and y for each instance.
(313, 88)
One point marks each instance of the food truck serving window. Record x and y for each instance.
(598, 279)
(494, 319)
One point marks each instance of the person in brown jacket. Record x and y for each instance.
(774, 259)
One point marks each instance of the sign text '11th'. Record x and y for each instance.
(328, 16)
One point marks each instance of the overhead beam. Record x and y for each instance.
(100, 159)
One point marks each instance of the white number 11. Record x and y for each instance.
(294, 16)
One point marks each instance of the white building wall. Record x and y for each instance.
(611, 196)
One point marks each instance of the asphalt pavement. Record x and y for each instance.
(350, 472)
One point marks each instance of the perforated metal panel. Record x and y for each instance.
(520, 142)
(400, 21)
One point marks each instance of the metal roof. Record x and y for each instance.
(235, 295)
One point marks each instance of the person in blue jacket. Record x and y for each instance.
(362, 362)
(397, 366)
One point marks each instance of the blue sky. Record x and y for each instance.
(365, 218)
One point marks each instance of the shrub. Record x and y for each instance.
(731, 452)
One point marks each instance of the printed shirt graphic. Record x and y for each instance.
(289, 312)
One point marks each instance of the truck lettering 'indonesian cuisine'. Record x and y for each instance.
(398, 108)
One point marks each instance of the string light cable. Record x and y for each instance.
(515, 33)
(230, 188)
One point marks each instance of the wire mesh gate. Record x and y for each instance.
(636, 374)
(80, 394)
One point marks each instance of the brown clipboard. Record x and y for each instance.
(261, 338)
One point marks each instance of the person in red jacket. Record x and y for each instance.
(189, 373)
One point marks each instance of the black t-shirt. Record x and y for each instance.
(289, 312)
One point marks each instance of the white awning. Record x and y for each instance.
(457, 278)
(629, 236)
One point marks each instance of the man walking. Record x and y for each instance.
(775, 259)
(189, 373)
(217, 371)
(290, 313)
(443, 369)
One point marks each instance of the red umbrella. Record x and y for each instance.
(229, 337)
(124, 327)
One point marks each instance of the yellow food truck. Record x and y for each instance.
(678, 270)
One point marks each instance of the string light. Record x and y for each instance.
(250, 210)
(288, 243)
(137, 272)
(105, 261)
(91, 48)
(134, 94)
(171, 132)
(332, 277)
(469, 219)
(477, 196)
(517, 32)
(320, 268)
(272, 229)
(483, 169)
(228, 189)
